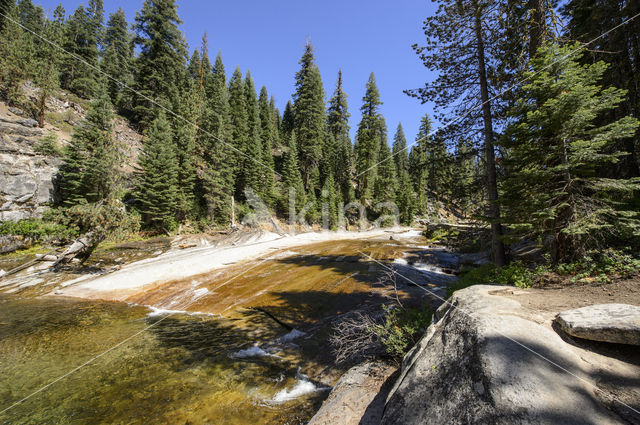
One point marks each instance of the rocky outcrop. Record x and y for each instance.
(614, 323)
(358, 397)
(488, 360)
(26, 178)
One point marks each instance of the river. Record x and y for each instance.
(243, 344)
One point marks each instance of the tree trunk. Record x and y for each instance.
(492, 186)
(538, 25)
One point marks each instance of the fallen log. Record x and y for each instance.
(81, 249)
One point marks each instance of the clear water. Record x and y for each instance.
(179, 371)
(189, 369)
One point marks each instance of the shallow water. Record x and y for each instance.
(180, 370)
(233, 365)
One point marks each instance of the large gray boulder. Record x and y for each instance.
(615, 323)
(357, 398)
(488, 360)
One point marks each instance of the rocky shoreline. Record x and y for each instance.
(488, 359)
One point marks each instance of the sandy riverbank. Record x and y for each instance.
(190, 262)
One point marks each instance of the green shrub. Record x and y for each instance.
(48, 146)
(515, 273)
(600, 266)
(36, 229)
(401, 329)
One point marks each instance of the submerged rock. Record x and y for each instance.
(615, 323)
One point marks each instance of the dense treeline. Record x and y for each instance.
(537, 137)
(210, 138)
(527, 91)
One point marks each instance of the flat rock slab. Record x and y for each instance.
(615, 323)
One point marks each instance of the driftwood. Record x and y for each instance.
(81, 249)
(28, 264)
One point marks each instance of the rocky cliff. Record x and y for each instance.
(26, 178)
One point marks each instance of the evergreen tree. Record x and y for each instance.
(555, 147)
(459, 40)
(338, 126)
(367, 143)
(291, 177)
(83, 35)
(160, 66)
(239, 127)
(185, 148)
(309, 115)
(157, 180)
(330, 203)
(405, 196)
(465, 186)
(400, 151)
(217, 170)
(254, 170)
(288, 121)
(385, 183)
(418, 168)
(88, 171)
(17, 51)
(6, 6)
(118, 60)
(591, 21)
(31, 16)
(268, 139)
(48, 61)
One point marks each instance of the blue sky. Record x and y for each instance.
(268, 38)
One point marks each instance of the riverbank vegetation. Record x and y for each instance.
(537, 137)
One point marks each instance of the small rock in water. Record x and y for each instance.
(614, 323)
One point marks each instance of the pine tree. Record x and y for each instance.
(555, 149)
(160, 66)
(338, 126)
(6, 6)
(118, 60)
(291, 178)
(288, 121)
(239, 127)
(459, 41)
(367, 143)
(31, 16)
(418, 168)
(309, 115)
(385, 183)
(83, 36)
(17, 51)
(88, 171)
(217, 172)
(591, 21)
(185, 140)
(157, 180)
(254, 170)
(405, 196)
(268, 139)
(330, 203)
(48, 61)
